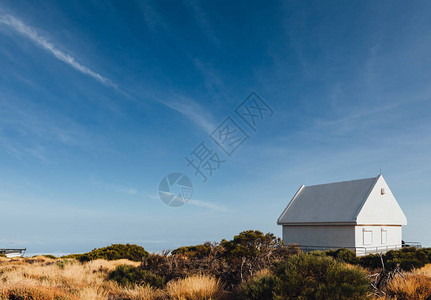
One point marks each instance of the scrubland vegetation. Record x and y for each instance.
(250, 266)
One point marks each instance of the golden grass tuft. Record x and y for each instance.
(262, 272)
(34, 292)
(141, 293)
(194, 287)
(415, 287)
(425, 270)
(41, 278)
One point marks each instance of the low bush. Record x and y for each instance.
(230, 261)
(64, 262)
(407, 258)
(251, 244)
(177, 266)
(199, 251)
(308, 276)
(113, 252)
(126, 275)
(371, 261)
(259, 287)
(343, 254)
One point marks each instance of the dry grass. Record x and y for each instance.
(426, 270)
(263, 272)
(26, 290)
(42, 278)
(415, 286)
(194, 287)
(142, 293)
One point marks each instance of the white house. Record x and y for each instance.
(362, 215)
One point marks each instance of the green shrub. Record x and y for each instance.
(427, 252)
(407, 258)
(232, 262)
(260, 287)
(343, 254)
(113, 252)
(308, 276)
(250, 244)
(371, 261)
(71, 256)
(126, 275)
(317, 253)
(49, 256)
(64, 262)
(198, 251)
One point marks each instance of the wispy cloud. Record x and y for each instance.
(125, 189)
(153, 19)
(27, 131)
(209, 205)
(114, 187)
(30, 33)
(200, 203)
(187, 107)
(192, 110)
(202, 20)
(213, 82)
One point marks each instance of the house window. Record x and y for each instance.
(384, 236)
(368, 236)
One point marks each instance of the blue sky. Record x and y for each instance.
(99, 100)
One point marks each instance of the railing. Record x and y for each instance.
(361, 251)
(322, 248)
(13, 252)
(412, 244)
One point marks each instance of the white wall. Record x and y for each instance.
(338, 236)
(394, 235)
(320, 235)
(381, 209)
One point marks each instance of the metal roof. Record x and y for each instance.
(337, 203)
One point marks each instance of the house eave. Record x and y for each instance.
(316, 223)
(336, 223)
(290, 203)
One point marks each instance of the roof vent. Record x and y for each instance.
(382, 191)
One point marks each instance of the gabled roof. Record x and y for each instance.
(340, 203)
